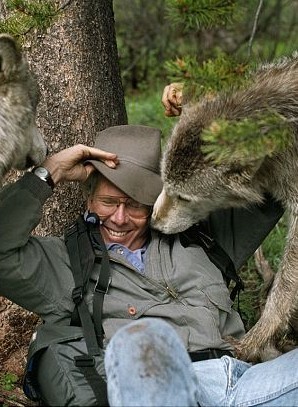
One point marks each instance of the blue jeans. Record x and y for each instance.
(147, 365)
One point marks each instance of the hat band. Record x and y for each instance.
(139, 164)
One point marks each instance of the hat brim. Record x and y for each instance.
(137, 182)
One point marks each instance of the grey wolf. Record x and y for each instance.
(194, 186)
(21, 144)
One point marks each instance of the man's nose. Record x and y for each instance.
(120, 216)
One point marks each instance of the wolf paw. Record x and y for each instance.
(248, 351)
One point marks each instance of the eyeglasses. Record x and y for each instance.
(107, 205)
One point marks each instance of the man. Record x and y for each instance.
(166, 304)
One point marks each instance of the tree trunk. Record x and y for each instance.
(76, 64)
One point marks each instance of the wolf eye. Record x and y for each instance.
(181, 198)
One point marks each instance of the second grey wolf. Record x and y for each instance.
(193, 185)
(21, 144)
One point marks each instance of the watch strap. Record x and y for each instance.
(44, 174)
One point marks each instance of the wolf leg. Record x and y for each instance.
(260, 342)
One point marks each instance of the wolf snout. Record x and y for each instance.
(162, 218)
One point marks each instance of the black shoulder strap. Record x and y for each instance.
(102, 283)
(216, 254)
(79, 246)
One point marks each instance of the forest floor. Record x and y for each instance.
(16, 328)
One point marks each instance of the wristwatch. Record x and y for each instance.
(45, 175)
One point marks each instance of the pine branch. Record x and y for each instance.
(253, 138)
(26, 15)
(211, 76)
(193, 14)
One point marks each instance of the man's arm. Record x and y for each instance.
(21, 256)
(20, 203)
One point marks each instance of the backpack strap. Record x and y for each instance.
(103, 281)
(82, 257)
(216, 254)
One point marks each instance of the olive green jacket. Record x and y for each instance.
(180, 284)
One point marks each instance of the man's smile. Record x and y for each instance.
(116, 233)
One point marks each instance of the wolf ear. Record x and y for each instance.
(240, 172)
(10, 55)
(238, 178)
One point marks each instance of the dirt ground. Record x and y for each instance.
(16, 328)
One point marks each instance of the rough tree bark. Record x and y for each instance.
(76, 64)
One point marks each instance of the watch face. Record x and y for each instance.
(45, 175)
(41, 172)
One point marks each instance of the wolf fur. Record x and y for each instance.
(21, 144)
(194, 186)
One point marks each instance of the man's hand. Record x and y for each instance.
(68, 164)
(172, 99)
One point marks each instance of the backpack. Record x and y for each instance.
(78, 239)
(198, 235)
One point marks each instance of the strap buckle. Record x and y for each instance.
(84, 361)
(77, 294)
(206, 240)
(76, 227)
(102, 289)
(71, 230)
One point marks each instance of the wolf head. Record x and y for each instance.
(193, 186)
(21, 144)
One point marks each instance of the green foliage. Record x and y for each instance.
(249, 299)
(241, 141)
(145, 108)
(26, 15)
(211, 76)
(273, 245)
(8, 381)
(193, 14)
(143, 40)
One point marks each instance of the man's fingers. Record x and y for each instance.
(110, 159)
(96, 153)
(173, 112)
(172, 99)
(110, 163)
(165, 98)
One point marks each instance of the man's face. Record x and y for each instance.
(119, 226)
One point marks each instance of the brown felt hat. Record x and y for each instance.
(139, 152)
